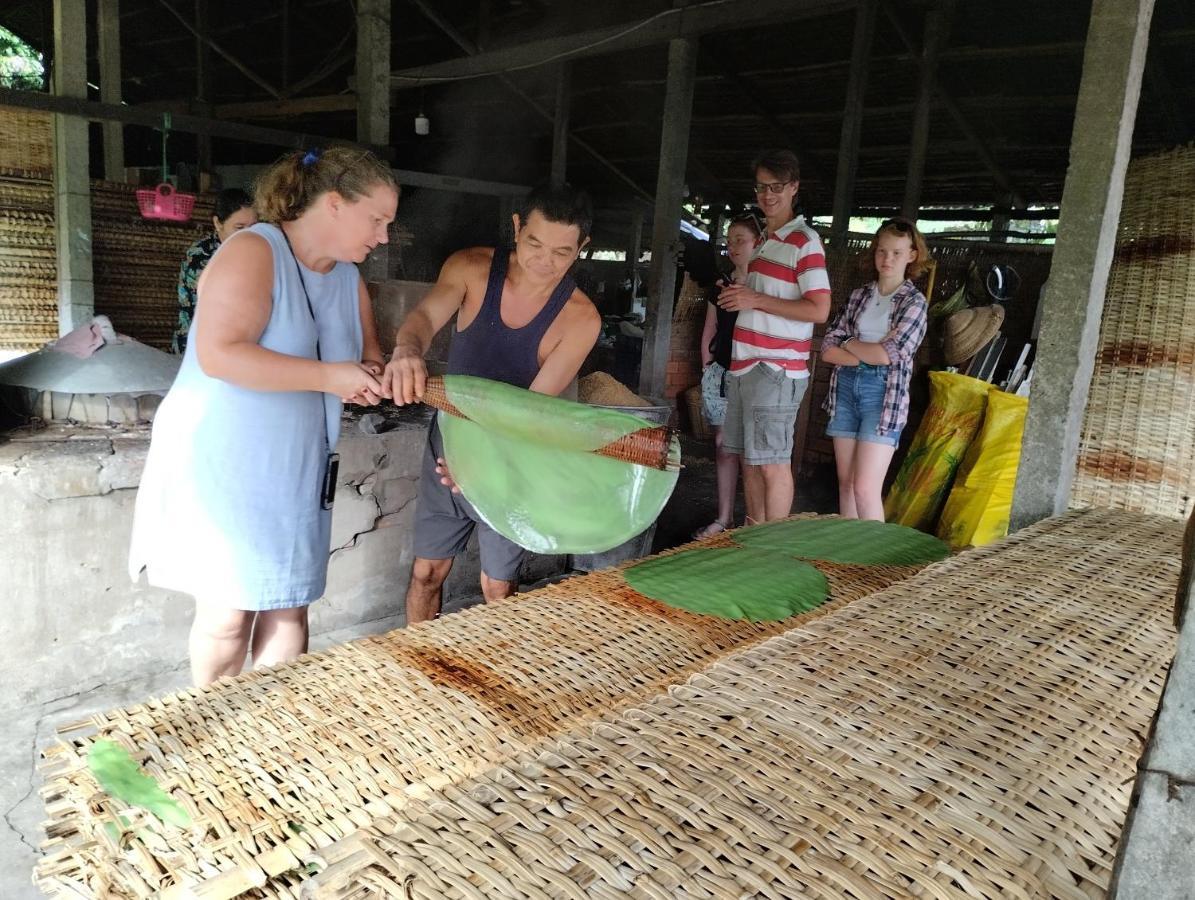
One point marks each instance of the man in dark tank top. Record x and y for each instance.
(519, 319)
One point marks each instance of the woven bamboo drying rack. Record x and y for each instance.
(970, 732)
(283, 762)
(136, 262)
(1136, 450)
(650, 446)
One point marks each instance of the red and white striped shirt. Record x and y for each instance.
(789, 264)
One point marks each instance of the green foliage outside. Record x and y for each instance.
(21, 66)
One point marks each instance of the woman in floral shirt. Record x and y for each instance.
(234, 211)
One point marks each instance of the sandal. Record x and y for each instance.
(713, 528)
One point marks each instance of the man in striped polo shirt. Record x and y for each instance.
(787, 291)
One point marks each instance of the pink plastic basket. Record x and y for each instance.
(164, 202)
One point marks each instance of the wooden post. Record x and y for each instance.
(72, 181)
(1001, 215)
(109, 39)
(852, 121)
(285, 15)
(203, 82)
(373, 71)
(674, 145)
(936, 25)
(560, 124)
(507, 207)
(1073, 300)
(633, 251)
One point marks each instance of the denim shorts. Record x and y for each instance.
(859, 403)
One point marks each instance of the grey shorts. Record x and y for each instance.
(761, 413)
(444, 521)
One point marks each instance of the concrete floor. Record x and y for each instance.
(33, 727)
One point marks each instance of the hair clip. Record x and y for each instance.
(311, 157)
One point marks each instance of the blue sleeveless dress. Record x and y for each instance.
(228, 509)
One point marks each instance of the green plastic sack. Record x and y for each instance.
(525, 462)
(980, 502)
(956, 404)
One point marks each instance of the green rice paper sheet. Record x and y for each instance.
(848, 541)
(731, 583)
(121, 777)
(525, 462)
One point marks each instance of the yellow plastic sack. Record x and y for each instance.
(980, 502)
(956, 404)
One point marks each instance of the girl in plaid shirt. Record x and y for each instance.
(871, 346)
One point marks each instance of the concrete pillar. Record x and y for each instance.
(937, 22)
(560, 124)
(109, 37)
(665, 237)
(373, 72)
(72, 181)
(1073, 299)
(852, 120)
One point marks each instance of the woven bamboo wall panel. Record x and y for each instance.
(28, 267)
(135, 262)
(312, 750)
(971, 732)
(1137, 450)
(28, 140)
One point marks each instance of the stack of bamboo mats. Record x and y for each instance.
(1136, 451)
(275, 765)
(969, 732)
(136, 261)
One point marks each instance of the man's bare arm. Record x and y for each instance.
(562, 364)
(812, 307)
(406, 373)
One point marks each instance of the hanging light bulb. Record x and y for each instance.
(422, 123)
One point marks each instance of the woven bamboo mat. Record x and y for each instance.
(28, 139)
(969, 732)
(281, 762)
(135, 261)
(1136, 451)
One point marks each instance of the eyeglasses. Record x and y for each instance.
(899, 225)
(762, 187)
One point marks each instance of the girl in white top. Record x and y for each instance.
(872, 344)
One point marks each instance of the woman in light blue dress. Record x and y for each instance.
(231, 507)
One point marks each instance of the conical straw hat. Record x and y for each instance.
(969, 329)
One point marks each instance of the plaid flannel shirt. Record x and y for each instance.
(906, 329)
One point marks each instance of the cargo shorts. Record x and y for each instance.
(761, 413)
